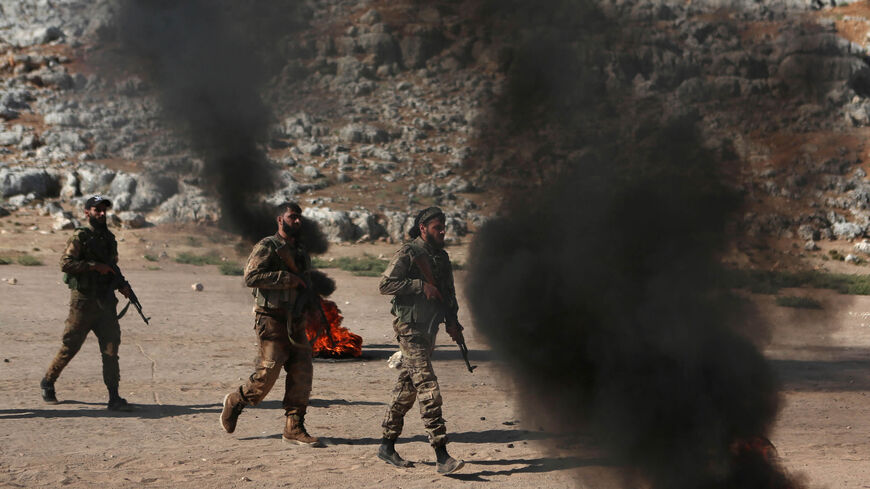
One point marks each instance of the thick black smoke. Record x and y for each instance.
(207, 59)
(603, 286)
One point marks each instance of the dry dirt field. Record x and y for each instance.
(201, 344)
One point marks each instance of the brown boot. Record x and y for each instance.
(294, 432)
(233, 405)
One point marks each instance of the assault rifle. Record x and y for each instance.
(308, 298)
(450, 316)
(131, 296)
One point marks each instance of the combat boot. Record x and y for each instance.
(47, 388)
(294, 432)
(233, 405)
(446, 464)
(116, 402)
(387, 453)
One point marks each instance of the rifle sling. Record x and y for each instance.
(124, 310)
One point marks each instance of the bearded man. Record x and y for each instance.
(89, 264)
(285, 290)
(419, 307)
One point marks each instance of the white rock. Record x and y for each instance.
(196, 287)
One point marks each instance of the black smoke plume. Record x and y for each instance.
(603, 286)
(208, 60)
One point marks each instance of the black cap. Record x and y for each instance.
(96, 200)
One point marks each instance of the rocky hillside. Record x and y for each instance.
(378, 108)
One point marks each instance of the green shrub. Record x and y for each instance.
(150, 257)
(199, 260)
(318, 262)
(29, 261)
(231, 268)
(798, 302)
(193, 242)
(5, 260)
(770, 282)
(365, 266)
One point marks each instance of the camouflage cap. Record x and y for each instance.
(97, 200)
(428, 214)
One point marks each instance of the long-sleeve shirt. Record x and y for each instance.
(84, 249)
(404, 280)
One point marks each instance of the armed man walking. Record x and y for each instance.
(89, 267)
(279, 271)
(419, 307)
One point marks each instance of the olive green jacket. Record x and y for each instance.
(84, 249)
(270, 277)
(404, 281)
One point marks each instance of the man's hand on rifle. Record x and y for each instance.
(296, 281)
(103, 269)
(431, 291)
(454, 329)
(125, 290)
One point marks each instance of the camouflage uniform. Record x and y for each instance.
(92, 302)
(280, 330)
(416, 326)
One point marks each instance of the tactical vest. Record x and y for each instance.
(281, 298)
(96, 247)
(417, 308)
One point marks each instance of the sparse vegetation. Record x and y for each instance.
(231, 268)
(836, 255)
(365, 266)
(152, 267)
(199, 260)
(193, 242)
(29, 260)
(798, 302)
(151, 257)
(770, 282)
(5, 260)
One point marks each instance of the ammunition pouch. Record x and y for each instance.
(275, 298)
(89, 282)
(417, 309)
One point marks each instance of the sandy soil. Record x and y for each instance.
(201, 344)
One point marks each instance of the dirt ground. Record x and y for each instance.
(200, 345)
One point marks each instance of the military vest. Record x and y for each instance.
(417, 308)
(96, 247)
(281, 298)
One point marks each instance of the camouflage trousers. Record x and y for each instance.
(277, 352)
(86, 315)
(417, 381)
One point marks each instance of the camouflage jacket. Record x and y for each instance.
(84, 249)
(404, 281)
(270, 276)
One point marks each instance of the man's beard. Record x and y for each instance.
(433, 242)
(290, 231)
(97, 223)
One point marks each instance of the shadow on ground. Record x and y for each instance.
(486, 436)
(98, 410)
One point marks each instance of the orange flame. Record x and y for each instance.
(758, 445)
(334, 341)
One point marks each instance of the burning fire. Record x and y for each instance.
(757, 445)
(757, 465)
(334, 341)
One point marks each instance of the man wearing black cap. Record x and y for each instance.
(419, 306)
(87, 265)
